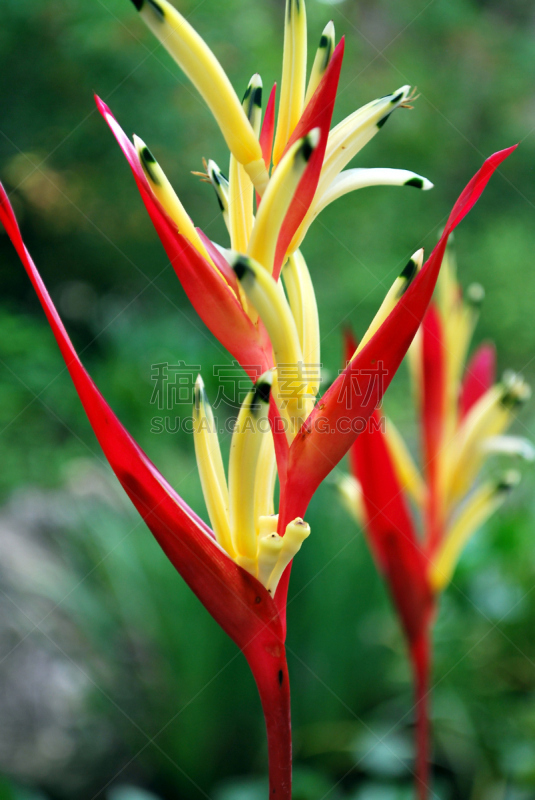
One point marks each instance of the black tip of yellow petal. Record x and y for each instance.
(508, 481)
(253, 93)
(516, 391)
(153, 5)
(309, 144)
(327, 45)
(147, 161)
(261, 393)
(383, 120)
(242, 268)
(408, 273)
(293, 5)
(252, 99)
(418, 183)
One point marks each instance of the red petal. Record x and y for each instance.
(208, 293)
(390, 529)
(268, 128)
(240, 604)
(342, 412)
(479, 376)
(317, 114)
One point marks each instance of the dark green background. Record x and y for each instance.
(112, 672)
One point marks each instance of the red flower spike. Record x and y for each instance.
(237, 601)
(402, 560)
(318, 114)
(392, 537)
(341, 414)
(209, 294)
(479, 376)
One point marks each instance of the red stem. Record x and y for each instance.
(270, 670)
(421, 664)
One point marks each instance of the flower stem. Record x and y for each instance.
(421, 664)
(269, 667)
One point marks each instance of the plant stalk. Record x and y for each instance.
(269, 667)
(421, 665)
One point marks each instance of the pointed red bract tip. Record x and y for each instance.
(317, 114)
(268, 128)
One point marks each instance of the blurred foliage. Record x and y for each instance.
(114, 677)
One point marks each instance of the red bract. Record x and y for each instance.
(208, 290)
(462, 417)
(329, 432)
(239, 568)
(236, 600)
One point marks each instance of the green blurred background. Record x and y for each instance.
(115, 681)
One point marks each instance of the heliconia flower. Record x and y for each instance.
(293, 166)
(257, 298)
(418, 522)
(240, 569)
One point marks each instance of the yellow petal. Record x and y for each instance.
(266, 476)
(241, 190)
(269, 300)
(203, 69)
(277, 198)
(252, 426)
(349, 181)
(393, 296)
(350, 135)
(351, 495)
(294, 65)
(321, 60)
(406, 470)
(304, 308)
(165, 194)
(221, 187)
(489, 417)
(479, 507)
(210, 466)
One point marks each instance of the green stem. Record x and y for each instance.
(421, 664)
